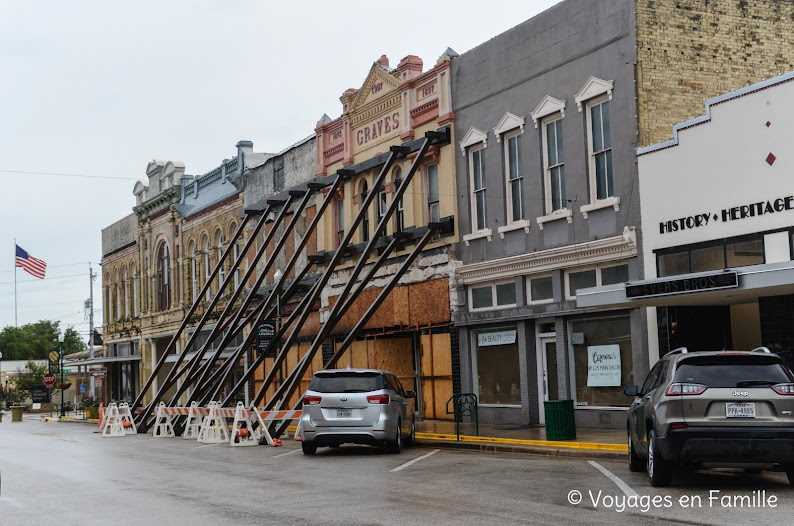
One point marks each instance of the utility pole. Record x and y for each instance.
(91, 278)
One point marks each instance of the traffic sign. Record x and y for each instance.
(49, 380)
(98, 372)
(98, 381)
(82, 388)
(54, 356)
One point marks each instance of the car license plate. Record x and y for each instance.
(740, 410)
(344, 413)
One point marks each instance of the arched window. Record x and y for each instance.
(125, 277)
(134, 272)
(235, 255)
(163, 281)
(219, 256)
(108, 303)
(365, 219)
(118, 295)
(399, 216)
(193, 274)
(207, 270)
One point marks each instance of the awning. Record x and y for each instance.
(98, 361)
(700, 288)
(207, 355)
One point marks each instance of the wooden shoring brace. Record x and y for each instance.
(336, 311)
(340, 178)
(192, 375)
(236, 326)
(197, 301)
(301, 370)
(394, 153)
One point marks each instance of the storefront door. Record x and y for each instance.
(547, 360)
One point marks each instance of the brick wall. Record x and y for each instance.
(690, 50)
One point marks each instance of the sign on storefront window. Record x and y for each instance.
(603, 365)
(485, 339)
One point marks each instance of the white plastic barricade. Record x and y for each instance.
(111, 425)
(194, 418)
(127, 422)
(163, 424)
(243, 428)
(213, 429)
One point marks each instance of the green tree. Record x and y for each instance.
(21, 384)
(34, 341)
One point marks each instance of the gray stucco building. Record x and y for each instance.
(545, 116)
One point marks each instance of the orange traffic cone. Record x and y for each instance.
(101, 415)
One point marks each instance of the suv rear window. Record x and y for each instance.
(347, 383)
(733, 371)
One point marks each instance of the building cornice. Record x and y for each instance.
(158, 203)
(580, 254)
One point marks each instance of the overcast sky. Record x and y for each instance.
(98, 88)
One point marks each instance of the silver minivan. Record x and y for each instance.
(359, 406)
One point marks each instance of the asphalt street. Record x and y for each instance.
(65, 473)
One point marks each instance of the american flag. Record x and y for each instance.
(33, 266)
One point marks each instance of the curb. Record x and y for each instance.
(508, 447)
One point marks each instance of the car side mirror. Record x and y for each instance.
(631, 390)
(410, 394)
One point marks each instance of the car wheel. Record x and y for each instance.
(635, 462)
(660, 470)
(309, 448)
(412, 437)
(396, 445)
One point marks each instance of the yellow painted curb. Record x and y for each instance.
(49, 419)
(517, 442)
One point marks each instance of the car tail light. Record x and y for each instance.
(784, 389)
(378, 399)
(686, 389)
(677, 426)
(312, 400)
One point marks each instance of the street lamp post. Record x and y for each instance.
(60, 366)
(4, 393)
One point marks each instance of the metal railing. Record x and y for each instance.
(464, 404)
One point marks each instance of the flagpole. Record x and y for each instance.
(16, 323)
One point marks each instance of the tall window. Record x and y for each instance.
(108, 299)
(237, 270)
(433, 207)
(399, 219)
(554, 166)
(118, 296)
(219, 257)
(163, 281)
(515, 179)
(365, 220)
(134, 272)
(477, 169)
(126, 294)
(340, 221)
(600, 150)
(193, 274)
(207, 271)
(382, 206)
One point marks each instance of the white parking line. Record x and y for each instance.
(287, 453)
(206, 445)
(417, 459)
(614, 478)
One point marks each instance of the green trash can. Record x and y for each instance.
(560, 423)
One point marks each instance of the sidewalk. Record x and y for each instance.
(591, 443)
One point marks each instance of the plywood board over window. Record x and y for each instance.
(436, 371)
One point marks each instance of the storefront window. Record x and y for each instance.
(602, 360)
(745, 253)
(498, 378)
(709, 258)
(672, 264)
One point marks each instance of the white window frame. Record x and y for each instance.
(219, 252)
(382, 203)
(547, 183)
(477, 233)
(508, 182)
(492, 285)
(612, 200)
(429, 204)
(193, 275)
(585, 268)
(126, 295)
(528, 281)
(207, 272)
(133, 271)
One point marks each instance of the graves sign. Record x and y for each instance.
(40, 394)
(265, 335)
(668, 287)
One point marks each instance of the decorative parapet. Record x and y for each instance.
(590, 252)
(158, 203)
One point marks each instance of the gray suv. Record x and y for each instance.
(362, 406)
(722, 408)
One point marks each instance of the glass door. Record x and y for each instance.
(549, 358)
